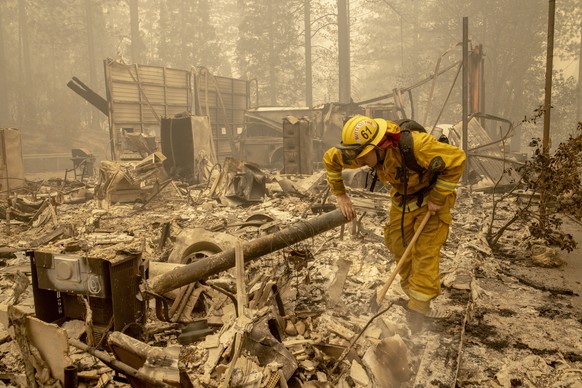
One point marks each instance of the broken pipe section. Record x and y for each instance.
(254, 249)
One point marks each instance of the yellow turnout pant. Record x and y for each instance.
(420, 273)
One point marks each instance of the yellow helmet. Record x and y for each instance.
(360, 135)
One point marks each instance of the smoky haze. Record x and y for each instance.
(392, 44)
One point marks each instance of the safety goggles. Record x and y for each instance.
(350, 152)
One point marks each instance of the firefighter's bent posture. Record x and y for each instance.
(374, 143)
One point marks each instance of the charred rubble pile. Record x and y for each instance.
(247, 279)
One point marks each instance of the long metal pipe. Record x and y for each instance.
(254, 249)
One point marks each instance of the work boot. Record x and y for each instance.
(423, 308)
(415, 321)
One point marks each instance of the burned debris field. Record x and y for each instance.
(297, 315)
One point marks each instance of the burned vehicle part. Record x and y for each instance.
(197, 243)
(263, 140)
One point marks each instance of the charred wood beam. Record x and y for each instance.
(252, 250)
(88, 94)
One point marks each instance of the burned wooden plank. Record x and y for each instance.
(57, 232)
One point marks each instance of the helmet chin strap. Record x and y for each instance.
(379, 161)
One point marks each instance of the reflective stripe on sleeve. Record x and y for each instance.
(445, 186)
(334, 175)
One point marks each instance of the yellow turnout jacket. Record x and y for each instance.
(427, 151)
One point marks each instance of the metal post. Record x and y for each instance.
(465, 145)
(71, 377)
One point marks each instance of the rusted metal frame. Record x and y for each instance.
(230, 295)
(488, 116)
(189, 93)
(474, 154)
(162, 309)
(252, 250)
(5, 164)
(447, 98)
(430, 95)
(41, 208)
(475, 159)
(486, 145)
(420, 83)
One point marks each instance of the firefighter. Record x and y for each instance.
(375, 143)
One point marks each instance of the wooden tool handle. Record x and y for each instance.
(404, 258)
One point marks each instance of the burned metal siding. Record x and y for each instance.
(139, 96)
(225, 100)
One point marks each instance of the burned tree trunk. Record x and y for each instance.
(222, 261)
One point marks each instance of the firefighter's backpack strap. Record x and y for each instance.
(406, 146)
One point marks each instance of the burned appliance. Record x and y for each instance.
(111, 287)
